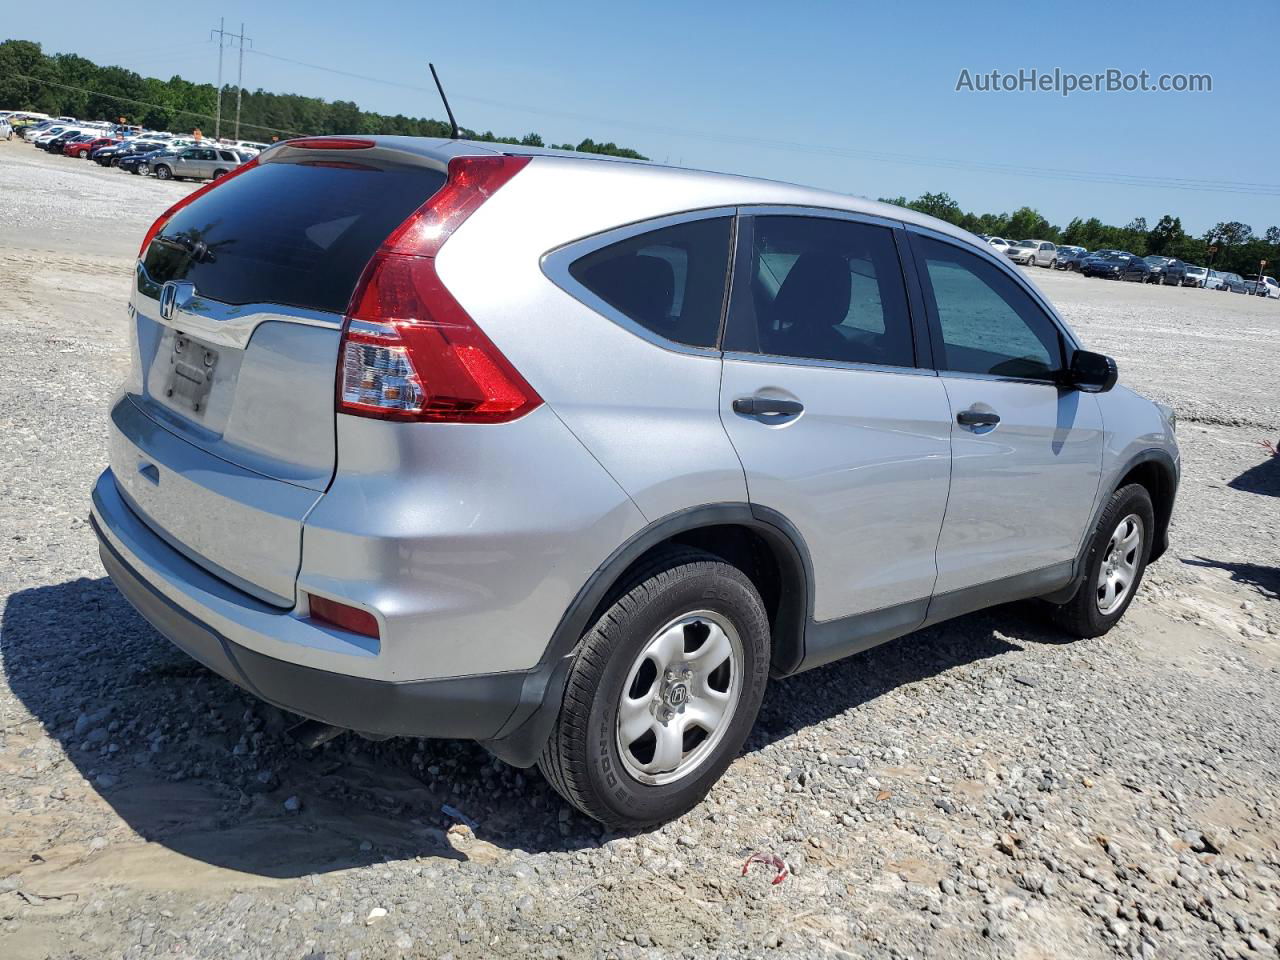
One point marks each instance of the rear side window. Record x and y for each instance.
(297, 233)
(671, 281)
(824, 289)
(988, 323)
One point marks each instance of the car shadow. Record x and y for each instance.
(1262, 478)
(191, 762)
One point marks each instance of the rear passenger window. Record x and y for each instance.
(823, 289)
(670, 281)
(988, 323)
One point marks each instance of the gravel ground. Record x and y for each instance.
(979, 789)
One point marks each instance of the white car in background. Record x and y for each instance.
(999, 244)
(1263, 286)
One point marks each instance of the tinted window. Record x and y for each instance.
(228, 155)
(294, 233)
(670, 281)
(824, 289)
(988, 323)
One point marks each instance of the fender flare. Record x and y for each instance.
(1160, 541)
(522, 737)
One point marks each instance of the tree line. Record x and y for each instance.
(1238, 248)
(65, 84)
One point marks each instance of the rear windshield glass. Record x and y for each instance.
(297, 233)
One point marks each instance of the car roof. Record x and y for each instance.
(756, 191)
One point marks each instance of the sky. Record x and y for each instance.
(855, 97)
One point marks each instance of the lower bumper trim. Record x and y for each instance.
(472, 708)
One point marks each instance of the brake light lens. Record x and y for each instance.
(409, 350)
(331, 143)
(190, 198)
(343, 616)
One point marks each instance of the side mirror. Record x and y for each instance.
(1092, 372)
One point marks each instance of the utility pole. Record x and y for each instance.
(240, 78)
(221, 34)
(223, 37)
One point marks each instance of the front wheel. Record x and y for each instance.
(662, 693)
(1117, 558)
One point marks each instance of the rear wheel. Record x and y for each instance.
(219, 173)
(662, 693)
(164, 173)
(1114, 565)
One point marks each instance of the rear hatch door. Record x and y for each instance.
(237, 318)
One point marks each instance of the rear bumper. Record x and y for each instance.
(188, 607)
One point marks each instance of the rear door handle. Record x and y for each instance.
(977, 418)
(756, 406)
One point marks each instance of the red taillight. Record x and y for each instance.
(331, 143)
(188, 199)
(409, 350)
(343, 616)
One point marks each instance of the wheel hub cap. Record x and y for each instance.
(680, 697)
(1119, 568)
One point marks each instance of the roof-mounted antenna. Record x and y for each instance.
(453, 124)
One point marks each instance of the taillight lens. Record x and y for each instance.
(343, 615)
(189, 199)
(409, 349)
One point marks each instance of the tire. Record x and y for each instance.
(219, 173)
(1096, 606)
(1053, 264)
(163, 173)
(619, 660)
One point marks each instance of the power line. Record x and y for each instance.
(1038, 172)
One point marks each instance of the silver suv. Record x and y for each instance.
(196, 163)
(573, 456)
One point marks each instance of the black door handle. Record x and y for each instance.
(977, 418)
(755, 406)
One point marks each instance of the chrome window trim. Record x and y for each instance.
(224, 324)
(555, 267)
(827, 213)
(833, 364)
(1007, 266)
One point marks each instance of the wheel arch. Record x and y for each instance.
(760, 541)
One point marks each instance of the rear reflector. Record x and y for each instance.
(410, 351)
(331, 143)
(188, 199)
(345, 617)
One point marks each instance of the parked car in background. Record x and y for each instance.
(195, 163)
(413, 517)
(1263, 286)
(1212, 280)
(137, 163)
(1109, 266)
(111, 156)
(6, 129)
(1233, 283)
(1175, 272)
(56, 144)
(999, 244)
(1032, 253)
(1194, 276)
(1138, 270)
(1158, 264)
(1067, 255)
(83, 148)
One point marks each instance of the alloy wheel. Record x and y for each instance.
(1120, 564)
